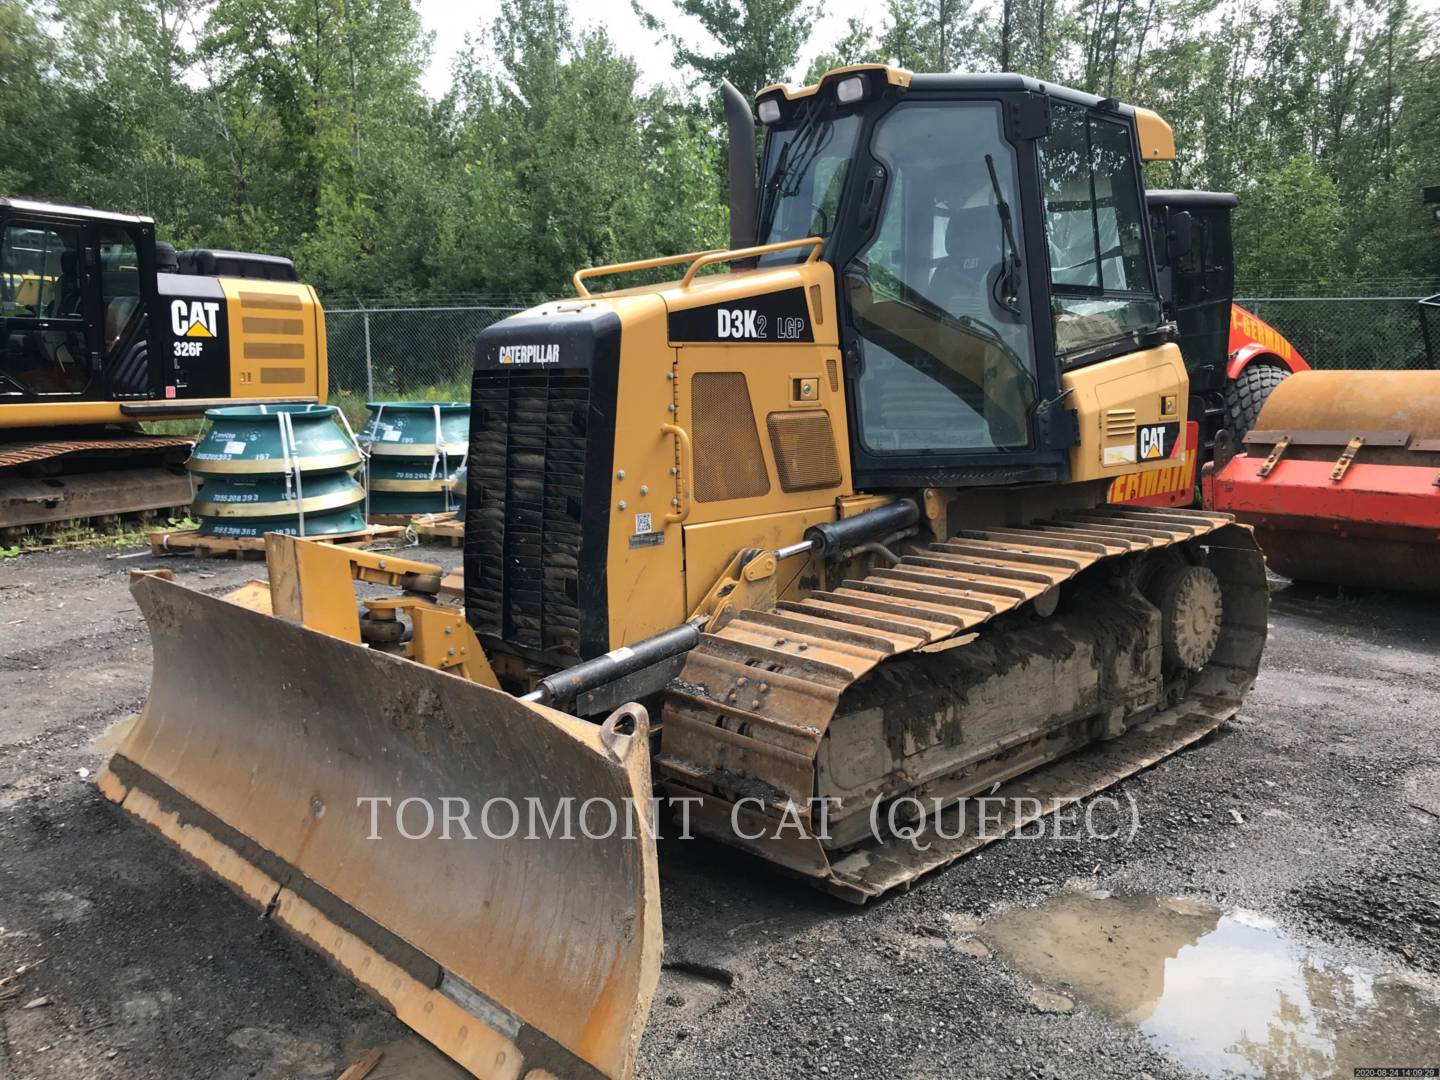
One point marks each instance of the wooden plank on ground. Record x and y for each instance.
(190, 542)
(364, 1067)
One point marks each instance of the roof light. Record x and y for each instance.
(850, 89)
(769, 111)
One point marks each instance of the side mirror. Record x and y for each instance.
(1180, 235)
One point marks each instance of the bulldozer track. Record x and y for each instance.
(755, 698)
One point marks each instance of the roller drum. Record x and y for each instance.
(1341, 479)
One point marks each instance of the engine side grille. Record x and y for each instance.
(527, 469)
(728, 460)
(804, 448)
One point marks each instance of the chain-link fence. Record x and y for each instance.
(392, 351)
(406, 353)
(1356, 332)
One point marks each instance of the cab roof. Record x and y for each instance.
(1183, 197)
(46, 209)
(1157, 140)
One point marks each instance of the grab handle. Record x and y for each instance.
(681, 502)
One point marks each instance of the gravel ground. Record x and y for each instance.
(1318, 807)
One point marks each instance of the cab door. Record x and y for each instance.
(49, 341)
(129, 366)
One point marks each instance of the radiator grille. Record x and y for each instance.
(527, 475)
(804, 448)
(728, 460)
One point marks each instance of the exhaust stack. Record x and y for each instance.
(740, 123)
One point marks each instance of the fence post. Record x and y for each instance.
(369, 364)
(1432, 348)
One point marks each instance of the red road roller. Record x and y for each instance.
(1340, 477)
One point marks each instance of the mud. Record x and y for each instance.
(1313, 810)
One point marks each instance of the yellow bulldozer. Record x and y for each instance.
(811, 541)
(103, 328)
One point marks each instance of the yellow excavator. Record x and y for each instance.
(812, 541)
(103, 327)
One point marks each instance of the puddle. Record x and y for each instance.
(1222, 991)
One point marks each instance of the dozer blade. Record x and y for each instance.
(533, 956)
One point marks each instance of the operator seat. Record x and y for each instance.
(959, 283)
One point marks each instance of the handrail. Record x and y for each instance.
(696, 259)
(709, 258)
(639, 264)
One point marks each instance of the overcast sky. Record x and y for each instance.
(451, 20)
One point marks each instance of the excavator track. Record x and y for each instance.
(745, 721)
(44, 483)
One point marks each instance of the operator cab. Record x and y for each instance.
(72, 299)
(89, 307)
(988, 234)
(1196, 265)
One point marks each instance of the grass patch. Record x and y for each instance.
(186, 428)
(90, 534)
(353, 402)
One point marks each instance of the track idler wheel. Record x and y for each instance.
(1191, 611)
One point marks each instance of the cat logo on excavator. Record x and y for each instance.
(198, 318)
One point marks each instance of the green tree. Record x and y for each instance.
(1288, 227)
(759, 40)
(932, 35)
(566, 164)
(856, 45)
(329, 136)
(34, 126)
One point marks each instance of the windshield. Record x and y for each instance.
(804, 175)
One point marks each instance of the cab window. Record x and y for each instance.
(119, 283)
(803, 178)
(1101, 282)
(936, 299)
(1204, 272)
(43, 348)
(40, 271)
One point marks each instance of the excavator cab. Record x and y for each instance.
(70, 292)
(96, 315)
